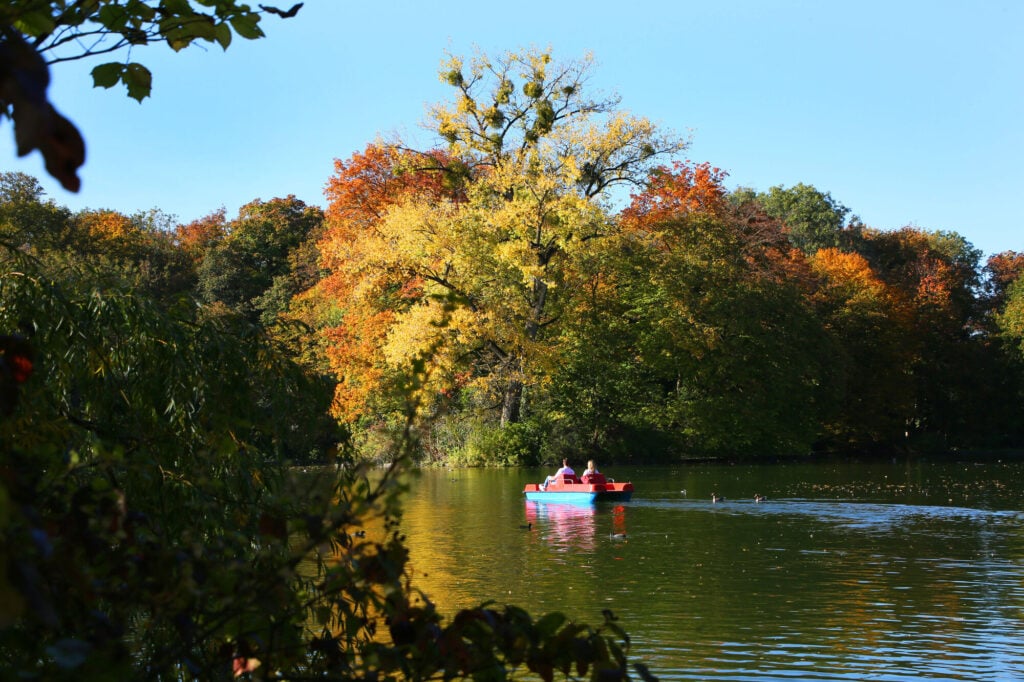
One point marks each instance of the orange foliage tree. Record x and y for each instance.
(670, 193)
(196, 237)
(1001, 270)
(936, 274)
(870, 323)
(354, 304)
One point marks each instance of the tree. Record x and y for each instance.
(137, 250)
(1011, 319)
(813, 220)
(700, 329)
(937, 274)
(35, 34)
(871, 325)
(250, 269)
(1001, 271)
(27, 219)
(200, 235)
(488, 257)
(352, 303)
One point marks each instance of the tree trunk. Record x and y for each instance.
(512, 404)
(540, 298)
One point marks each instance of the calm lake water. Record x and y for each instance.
(855, 571)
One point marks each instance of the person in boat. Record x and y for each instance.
(588, 474)
(564, 470)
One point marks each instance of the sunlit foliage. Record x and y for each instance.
(472, 251)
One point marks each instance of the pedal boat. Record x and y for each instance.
(577, 490)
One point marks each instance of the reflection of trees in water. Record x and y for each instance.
(861, 584)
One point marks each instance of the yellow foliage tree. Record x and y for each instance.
(526, 183)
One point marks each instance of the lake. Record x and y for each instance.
(895, 570)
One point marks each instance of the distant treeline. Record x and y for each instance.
(696, 321)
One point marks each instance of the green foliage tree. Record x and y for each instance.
(740, 362)
(267, 255)
(27, 219)
(813, 219)
(699, 331)
(1011, 318)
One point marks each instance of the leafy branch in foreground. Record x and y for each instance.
(36, 33)
(151, 526)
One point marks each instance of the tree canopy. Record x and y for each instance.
(690, 317)
(477, 244)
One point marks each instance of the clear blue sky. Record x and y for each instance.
(908, 112)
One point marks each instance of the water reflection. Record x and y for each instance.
(845, 573)
(567, 527)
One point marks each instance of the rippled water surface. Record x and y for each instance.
(895, 571)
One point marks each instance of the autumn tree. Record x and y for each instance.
(138, 248)
(548, 157)
(698, 338)
(1001, 271)
(937, 274)
(1000, 419)
(353, 303)
(869, 322)
(197, 237)
(530, 165)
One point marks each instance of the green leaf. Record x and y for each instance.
(203, 27)
(549, 624)
(138, 80)
(107, 75)
(179, 7)
(247, 26)
(177, 37)
(113, 17)
(35, 23)
(222, 34)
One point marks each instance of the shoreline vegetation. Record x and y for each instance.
(968, 455)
